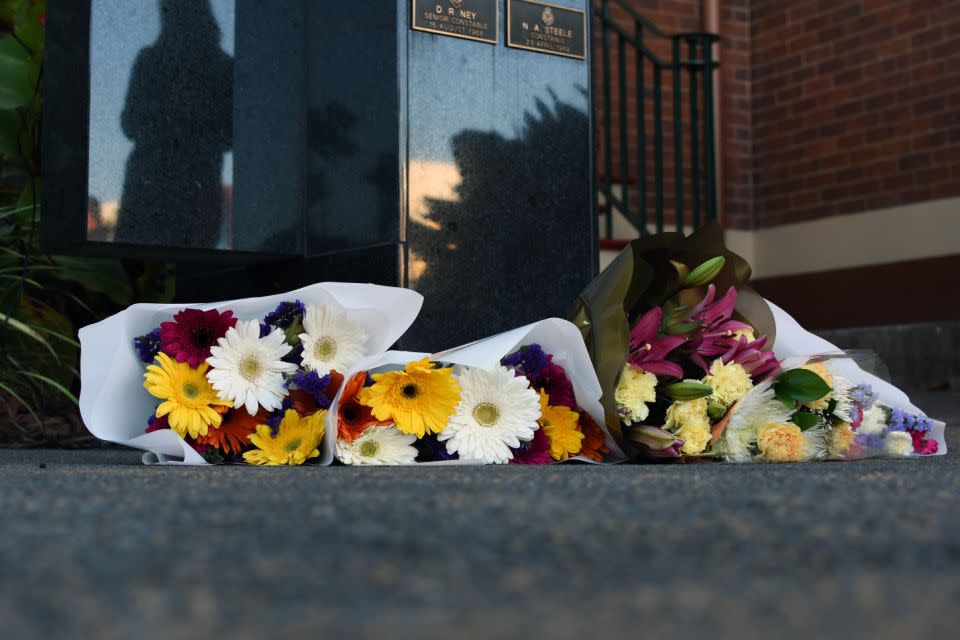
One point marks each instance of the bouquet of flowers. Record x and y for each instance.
(527, 396)
(688, 372)
(246, 381)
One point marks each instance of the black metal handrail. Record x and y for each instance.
(696, 60)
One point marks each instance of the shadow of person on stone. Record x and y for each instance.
(178, 113)
(471, 255)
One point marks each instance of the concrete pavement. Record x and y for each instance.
(92, 544)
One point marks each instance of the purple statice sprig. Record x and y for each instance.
(529, 361)
(430, 449)
(313, 383)
(900, 420)
(286, 315)
(864, 396)
(277, 417)
(148, 345)
(869, 441)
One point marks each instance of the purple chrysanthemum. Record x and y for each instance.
(312, 383)
(429, 449)
(148, 345)
(536, 451)
(286, 314)
(528, 361)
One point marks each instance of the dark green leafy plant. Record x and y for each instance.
(44, 299)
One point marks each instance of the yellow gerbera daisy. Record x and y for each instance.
(298, 440)
(187, 396)
(419, 400)
(560, 425)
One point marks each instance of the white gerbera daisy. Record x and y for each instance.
(378, 445)
(497, 411)
(247, 370)
(331, 341)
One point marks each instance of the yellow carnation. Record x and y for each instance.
(680, 414)
(819, 369)
(780, 442)
(695, 435)
(840, 439)
(636, 388)
(730, 382)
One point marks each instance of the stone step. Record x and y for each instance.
(918, 356)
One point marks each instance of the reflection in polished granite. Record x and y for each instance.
(500, 231)
(329, 141)
(162, 86)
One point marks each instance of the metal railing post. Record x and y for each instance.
(677, 72)
(607, 124)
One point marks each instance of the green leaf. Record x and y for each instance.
(24, 403)
(53, 383)
(26, 330)
(104, 276)
(16, 88)
(805, 420)
(800, 385)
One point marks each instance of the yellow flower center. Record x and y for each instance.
(190, 391)
(369, 448)
(410, 390)
(486, 414)
(250, 368)
(293, 445)
(325, 349)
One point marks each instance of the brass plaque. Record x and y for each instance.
(471, 19)
(547, 28)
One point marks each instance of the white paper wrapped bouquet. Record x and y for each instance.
(527, 396)
(694, 364)
(244, 381)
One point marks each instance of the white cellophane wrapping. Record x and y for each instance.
(115, 406)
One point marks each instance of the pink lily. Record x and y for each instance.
(714, 335)
(648, 352)
(751, 356)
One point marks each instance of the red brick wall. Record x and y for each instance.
(671, 16)
(855, 105)
(826, 107)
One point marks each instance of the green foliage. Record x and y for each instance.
(800, 385)
(44, 299)
(805, 420)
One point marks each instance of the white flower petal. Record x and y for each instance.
(378, 446)
(254, 386)
(497, 410)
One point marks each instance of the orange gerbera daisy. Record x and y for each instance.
(233, 434)
(352, 417)
(594, 445)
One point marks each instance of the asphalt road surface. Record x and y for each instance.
(92, 544)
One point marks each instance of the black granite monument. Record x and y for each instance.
(443, 145)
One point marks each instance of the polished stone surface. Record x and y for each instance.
(95, 545)
(161, 122)
(338, 143)
(500, 228)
